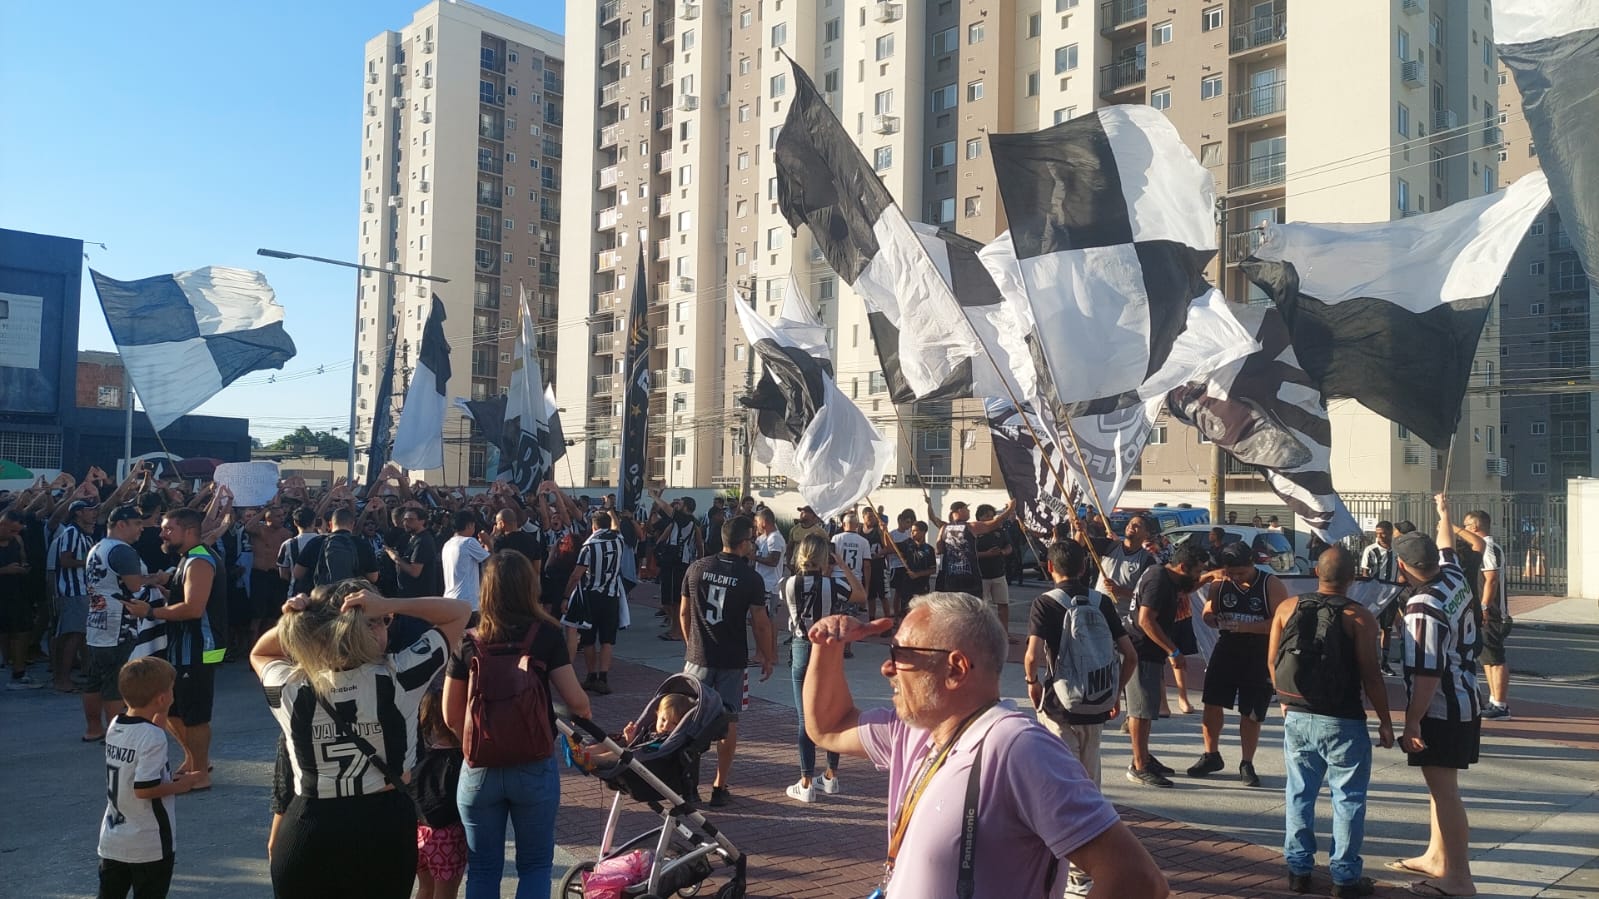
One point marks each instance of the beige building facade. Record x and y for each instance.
(1358, 111)
(461, 158)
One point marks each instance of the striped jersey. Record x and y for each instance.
(203, 640)
(1441, 639)
(810, 598)
(69, 539)
(135, 830)
(601, 558)
(1379, 562)
(378, 702)
(1493, 559)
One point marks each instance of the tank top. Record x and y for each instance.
(1245, 607)
(960, 551)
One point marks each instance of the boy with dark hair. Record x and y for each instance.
(136, 833)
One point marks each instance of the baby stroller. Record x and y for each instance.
(663, 775)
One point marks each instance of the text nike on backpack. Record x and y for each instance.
(1085, 671)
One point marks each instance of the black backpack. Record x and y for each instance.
(338, 560)
(1315, 666)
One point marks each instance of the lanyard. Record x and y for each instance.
(930, 766)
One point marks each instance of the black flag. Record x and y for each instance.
(377, 453)
(635, 395)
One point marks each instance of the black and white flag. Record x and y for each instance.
(419, 437)
(1266, 411)
(1389, 313)
(635, 394)
(825, 183)
(835, 455)
(1552, 47)
(1112, 223)
(1029, 462)
(525, 453)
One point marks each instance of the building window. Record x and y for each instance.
(1535, 309)
(1540, 468)
(1402, 195)
(108, 397)
(885, 46)
(1535, 267)
(685, 175)
(1210, 19)
(830, 29)
(883, 158)
(940, 211)
(779, 34)
(1034, 25)
(1536, 229)
(743, 112)
(974, 148)
(743, 161)
(974, 91)
(830, 81)
(778, 85)
(972, 207)
(1064, 113)
(941, 154)
(1065, 58)
(944, 98)
(974, 33)
(1489, 182)
(1402, 45)
(1160, 99)
(1032, 84)
(936, 440)
(1210, 87)
(744, 65)
(1402, 119)
(1210, 154)
(944, 41)
(1157, 435)
(1160, 34)
(688, 39)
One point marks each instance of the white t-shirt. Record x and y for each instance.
(462, 558)
(853, 550)
(765, 545)
(136, 830)
(109, 559)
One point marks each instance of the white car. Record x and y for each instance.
(1273, 552)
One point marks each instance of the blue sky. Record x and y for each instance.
(183, 134)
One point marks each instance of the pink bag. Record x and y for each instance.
(611, 877)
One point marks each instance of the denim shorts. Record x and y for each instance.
(727, 682)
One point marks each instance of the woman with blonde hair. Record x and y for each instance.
(526, 791)
(348, 710)
(812, 594)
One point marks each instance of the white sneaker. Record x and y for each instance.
(1076, 887)
(800, 793)
(24, 682)
(829, 784)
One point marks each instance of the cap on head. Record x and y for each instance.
(1236, 555)
(129, 512)
(1417, 550)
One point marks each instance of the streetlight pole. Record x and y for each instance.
(745, 484)
(355, 339)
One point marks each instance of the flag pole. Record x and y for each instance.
(1449, 462)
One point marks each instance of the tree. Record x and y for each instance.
(304, 440)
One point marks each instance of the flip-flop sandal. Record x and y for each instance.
(1428, 888)
(1399, 865)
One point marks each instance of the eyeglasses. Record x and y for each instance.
(897, 653)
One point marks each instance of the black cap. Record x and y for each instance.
(1236, 554)
(1416, 550)
(126, 513)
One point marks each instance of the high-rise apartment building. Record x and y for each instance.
(1548, 334)
(460, 178)
(1309, 111)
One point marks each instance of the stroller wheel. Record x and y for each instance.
(572, 883)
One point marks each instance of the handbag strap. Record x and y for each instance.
(343, 729)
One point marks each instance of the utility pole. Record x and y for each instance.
(1218, 464)
(744, 479)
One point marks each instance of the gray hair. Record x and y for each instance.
(963, 621)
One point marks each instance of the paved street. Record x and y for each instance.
(1534, 800)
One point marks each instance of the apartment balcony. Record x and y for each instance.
(611, 93)
(610, 135)
(1119, 14)
(658, 385)
(606, 260)
(1258, 102)
(491, 98)
(665, 77)
(663, 119)
(491, 165)
(661, 336)
(1258, 32)
(663, 162)
(602, 385)
(488, 233)
(611, 53)
(607, 299)
(667, 32)
(1492, 137)
(1444, 120)
(1119, 76)
(1258, 172)
(663, 289)
(610, 11)
(663, 205)
(663, 249)
(489, 199)
(608, 176)
(1241, 246)
(609, 217)
(490, 132)
(603, 344)
(549, 279)
(491, 61)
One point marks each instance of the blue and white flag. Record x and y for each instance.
(183, 337)
(419, 437)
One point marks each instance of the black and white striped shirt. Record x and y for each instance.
(380, 703)
(70, 581)
(1440, 640)
(1378, 562)
(1493, 559)
(810, 598)
(601, 558)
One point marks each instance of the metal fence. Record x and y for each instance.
(1529, 527)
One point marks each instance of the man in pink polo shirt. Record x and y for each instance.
(950, 747)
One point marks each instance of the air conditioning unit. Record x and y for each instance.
(1413, 73)
(689, 103)
(397, 103)
(721, 100)
(691, 10)
(396, 201)
(684, 375)
(427, 46)
(422, 291)
(425, 116)
(399, 68)
(685, 285)
(391, 266)
(370, 207)
(1499, 468)
(424, 186)
(427, 80)
(371, 78)
(885, 124)
(371, 110)
(888, 12)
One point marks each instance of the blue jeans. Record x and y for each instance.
(799, 660)
(1317, 747)
(526, 794)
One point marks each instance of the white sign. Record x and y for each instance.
(21, 318)
(252, 483)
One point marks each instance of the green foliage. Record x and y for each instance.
(306, 441)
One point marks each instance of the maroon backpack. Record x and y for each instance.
(507, 705)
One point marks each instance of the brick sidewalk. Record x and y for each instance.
(834, 847)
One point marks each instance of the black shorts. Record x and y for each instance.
(1494, 631)
(16, 607)
(961, 583)
(267, 593)
(1238, 677)
(1388, 615)
(350, 846)
(1450, 744)
(142, 878)
(105, 664)
(193, 694)
(875, 582)
(1183, 636)
(604, 615)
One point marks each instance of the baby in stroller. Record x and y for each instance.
(668, 712)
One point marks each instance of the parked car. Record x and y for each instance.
(1168, 517)
(1272, 548)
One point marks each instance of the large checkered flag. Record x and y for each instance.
(1112, 220)
(1266, 412)
(1552, 47)
(1389, 313)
